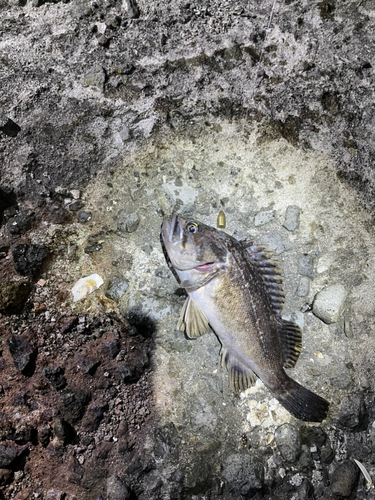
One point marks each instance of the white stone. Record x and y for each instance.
(85, 286)
(328, 303)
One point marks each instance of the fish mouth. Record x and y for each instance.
(203, 268)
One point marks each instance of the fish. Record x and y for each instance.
(234, 288)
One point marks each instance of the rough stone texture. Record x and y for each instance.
(23, 354)
(243, 477)
(117, 287)
(353, 413)
(288, 442)
(292, 214)
(116, 489)
(344, 478)
(128, 223)
(28, 259)
(328, 303)
(13, 296)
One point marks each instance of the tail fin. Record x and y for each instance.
(301, 402)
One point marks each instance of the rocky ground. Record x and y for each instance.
(113, 115)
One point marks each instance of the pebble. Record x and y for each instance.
(93, 248)
(303, 289)
(127, 223)
(74, 401)
(242, 476)
(76, 205)
(95, 78)
(20, 223)
(83, 216)
(117, 287)
(55, 375)
(344, 478)
(353, 413)
(8, 126)
(288, 442)
(23, 354)
(116, 489)
(64, 431)
(292, 214)
(263, 218)
(13, 295)
(28, 259)
(328, 303)
(306, 266)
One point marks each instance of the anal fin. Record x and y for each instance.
(240, 376)
(290, 337)
(192, 320)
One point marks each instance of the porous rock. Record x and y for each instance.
(23, 354)
(117, 287)
(13, 296)
(288, 442)
(28, 259)
(242, 476)
(116, 489)
(344, 478)
(353, 413)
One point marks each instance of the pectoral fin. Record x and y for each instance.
(240, 376)
(192, 320)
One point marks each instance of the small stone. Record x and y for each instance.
(263, 218)
(96, 78)
(74, 402)
(5, 477)
(83, 216)
(288, 442)
(344, 478)
(76, 205)
(9, 451)
(13, 296)
(291, 222)
(127, 223)
(76, 194)
(93, 248)
(353, 413)
(242, 476)
(303, 287)
(68, 325)
(276, 242)
(23, 354)
(94, 416)
(117, 287)
(55, 495)
(111, 349)
(20, 223)
(131, 8)
(28, 259)
(8, 126)
(306, 266)
(55, 374)
(328, 303)
(116, 489)
(87, 364)
(64, 431)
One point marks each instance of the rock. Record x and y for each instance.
(117, 287)
(9, 451)
(116, 489)
(8, 126)
(305, 491)
(306, 266)
(111, 349)
(20, 223)
(23, 354)
(263, 218)
(95, 78)
(86, 285)
(74, 402)
(55, 495)
(13, 296)
(130, 8)
(353, 414)
(241, 476)
(87, 364)
(76, 205)
(68, 325)
(167, 441)
(28, 259)
(44, 436)
(288, 442)
(94, 416)
(292, 214)
(303, 287)
(64, 431)
(344, 478)
(328, 303)
(5, 476)
(127, 223)
(83, 216)
(276, 242)
(55, 374)
(93, 248)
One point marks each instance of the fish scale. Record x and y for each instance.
(234, 288)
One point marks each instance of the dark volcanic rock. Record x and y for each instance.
(288, 442)
(55, 374)
(117, 287)
(9, 451)
(86, 363)
(243, 477)
(111, 349)
(28, 259)
(74, 402)
(353, 414)
(94, 416)
(13, 296)
(344, 478)
(23, 354)
(64, 431)
(8, 126)
(116, 489)
(83, 216)
(20, 223)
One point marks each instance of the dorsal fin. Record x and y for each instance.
(269, 271)
(192, 320)
(290, 337)
(240, 376)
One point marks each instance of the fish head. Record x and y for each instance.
(193, 248)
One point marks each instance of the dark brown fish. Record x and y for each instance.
(234, 288)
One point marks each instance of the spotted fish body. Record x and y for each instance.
(236, 289)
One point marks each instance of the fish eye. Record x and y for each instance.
(192, 227)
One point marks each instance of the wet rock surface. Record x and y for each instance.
(116, 114)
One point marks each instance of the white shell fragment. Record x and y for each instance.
(369, 483)
(87, 285)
